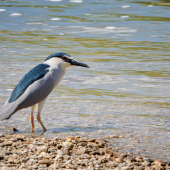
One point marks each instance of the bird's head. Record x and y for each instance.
(64, 59)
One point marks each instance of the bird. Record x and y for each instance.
(37, 84)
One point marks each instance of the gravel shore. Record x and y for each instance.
(21, 152)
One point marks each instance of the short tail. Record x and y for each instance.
(8, 110)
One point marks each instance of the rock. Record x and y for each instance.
(126, 168)
(101, 145)
(59, 146)
(148, 159)
(68, 162)
(66, 157)
(95, 153)
(45, 161)
(35, 166)
(80, 162)
(43, 149)
(119, 160)
(82, 140)
(12, 129)
(1, 157)
(24, 159)
(81, 151)
(103, 141)
(146, 163)
(70, 138)
(85, 156)
(20, 138)
(139, 159)
(42, 166)
(96, 162)
(72, 166)
(90, 168)
(68, 144)
(59, 155)
(52, 150)
(11, 160)
(138, 168)
(33, 157)
(111, 164)
(1, 135)
(91, 140)
(66, 151)
(156, 167)
(156, 162)
(7, 143)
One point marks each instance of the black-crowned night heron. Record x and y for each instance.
(37, 84)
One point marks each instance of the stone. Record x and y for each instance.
(148, 159)
(66, 157)
(90, 168)
(96, 153)
(156, 162)
(1, 135)
(11, 160)
(24, 159)
(68, 144)
(70, 138)
(73, 166)
(139, 159)
(45, 161)
(82, 140)
(85, 156)
(100, 141)
(101, 145)
(97, 162)
(126, 168)
(7, 143)
(52, 150)
(68, 162)
(119, 160)
(111, 164)
(80, 162)
(59, 155)
(81, 151)
(59, 146)
(43, 148)
(146, 163)
(1, 156)
(20, 138)
(138, 168)
(91, 140)
(157, 167)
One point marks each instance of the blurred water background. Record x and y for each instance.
(126, 90)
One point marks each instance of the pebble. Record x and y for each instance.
(146, 163)
(81, 151)
(44, 161)
(7, 143)
(119, 160)
(21, 152)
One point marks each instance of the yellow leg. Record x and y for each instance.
(39, 120)
(40, 106)
(32, 118)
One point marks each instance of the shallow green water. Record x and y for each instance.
(126, 90)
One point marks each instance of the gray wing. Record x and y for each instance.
(34, 87)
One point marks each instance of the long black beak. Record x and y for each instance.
(78, 63)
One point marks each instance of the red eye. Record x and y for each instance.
(64, 58)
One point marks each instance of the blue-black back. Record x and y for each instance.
(58, 54)
(33, 75)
